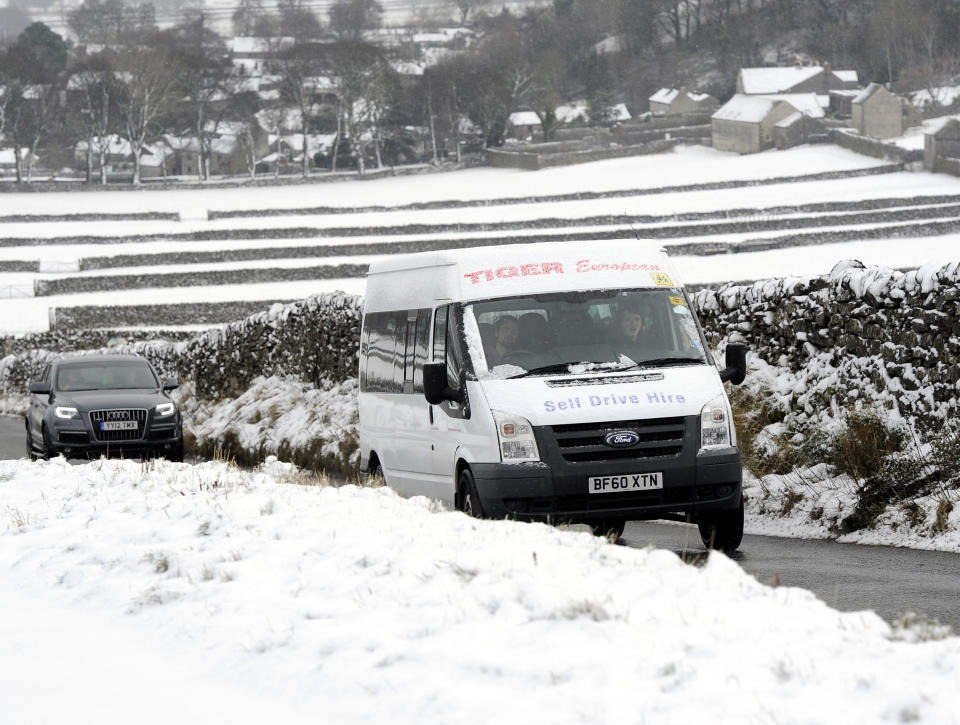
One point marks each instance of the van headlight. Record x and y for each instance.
(515, 434)
(65, 412)
(715, 429)
(165, 409)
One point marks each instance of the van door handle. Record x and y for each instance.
(430, 408)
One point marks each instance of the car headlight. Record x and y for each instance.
(515, 434)
(64, 411)
(165, 409)
(715, 428)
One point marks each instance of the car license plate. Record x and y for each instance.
(620, 482)
(118, 425)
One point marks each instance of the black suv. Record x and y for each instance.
(115, 405)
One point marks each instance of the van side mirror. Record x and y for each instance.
(435, 388)
(170, 384)
(40, 388)
(736, 369)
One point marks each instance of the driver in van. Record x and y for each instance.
(506, 332)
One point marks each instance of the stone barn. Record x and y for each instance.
(878, 113)
(941, 147)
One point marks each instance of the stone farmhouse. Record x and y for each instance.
(877, 112)
(748, 124)
(798, 79)
(680, 100)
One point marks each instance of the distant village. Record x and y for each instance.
(254, 106)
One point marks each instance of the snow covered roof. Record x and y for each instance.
(407, 68)
(749, 109)
(664, 95)
(808, 104)
(7, 157)
(613, 44)
(866, 93)
(524, 118)
(775, 80)
(619, 112)
(253, 44)
(847, 76)
(569, 112)
(936, 125)
(789, 120)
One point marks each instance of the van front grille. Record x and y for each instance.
(584, 442)
(118, 415)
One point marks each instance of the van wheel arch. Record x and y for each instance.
(466, 498)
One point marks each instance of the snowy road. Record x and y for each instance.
(848, 577)
(11, 437)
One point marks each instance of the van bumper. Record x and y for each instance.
(710, 482)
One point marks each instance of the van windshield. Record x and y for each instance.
(577, 332)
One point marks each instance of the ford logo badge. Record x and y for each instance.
(621, 439)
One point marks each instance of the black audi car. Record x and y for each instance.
(92, 405)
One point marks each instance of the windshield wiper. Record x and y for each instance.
(556, 368)
(663, 362)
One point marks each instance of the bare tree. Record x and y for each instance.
(466, 7)
(150, 78)
(303, 71)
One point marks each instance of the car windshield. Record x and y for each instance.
(100, 376)
(578, 332)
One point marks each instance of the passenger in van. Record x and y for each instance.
(629, 336)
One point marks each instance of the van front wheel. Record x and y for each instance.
(724, 531)
(467, 499)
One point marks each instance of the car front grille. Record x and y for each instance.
(583, 442)
(137, 415)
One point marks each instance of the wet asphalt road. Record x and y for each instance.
(849, 577)
(13, 438)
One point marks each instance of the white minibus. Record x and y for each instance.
(561, 382)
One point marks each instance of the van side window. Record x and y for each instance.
(364, 354)
(381, 353)
(421, 349)
(440, 334)
(452, 354)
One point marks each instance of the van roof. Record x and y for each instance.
(417, 280)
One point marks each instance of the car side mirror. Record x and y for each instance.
(170, 384)
(435, 388)
(40, 388)
(736, 362)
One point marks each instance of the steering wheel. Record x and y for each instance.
(518, 357)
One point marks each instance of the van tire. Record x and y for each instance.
(724, 531)
(612, 530)
(467, 499)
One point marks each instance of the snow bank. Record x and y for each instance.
(353, 605)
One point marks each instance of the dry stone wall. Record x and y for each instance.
(856, 336)
(315, 340)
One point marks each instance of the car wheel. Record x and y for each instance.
(724, 531)
(49, 451)
(613, 530)
(467, 499)
(176, 455)
(31, 454)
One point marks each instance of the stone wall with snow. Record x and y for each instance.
(870, 335)
(313, 340)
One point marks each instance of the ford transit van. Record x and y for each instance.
(565, 382)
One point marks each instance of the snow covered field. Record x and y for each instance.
(176, 593)
(686, 166)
